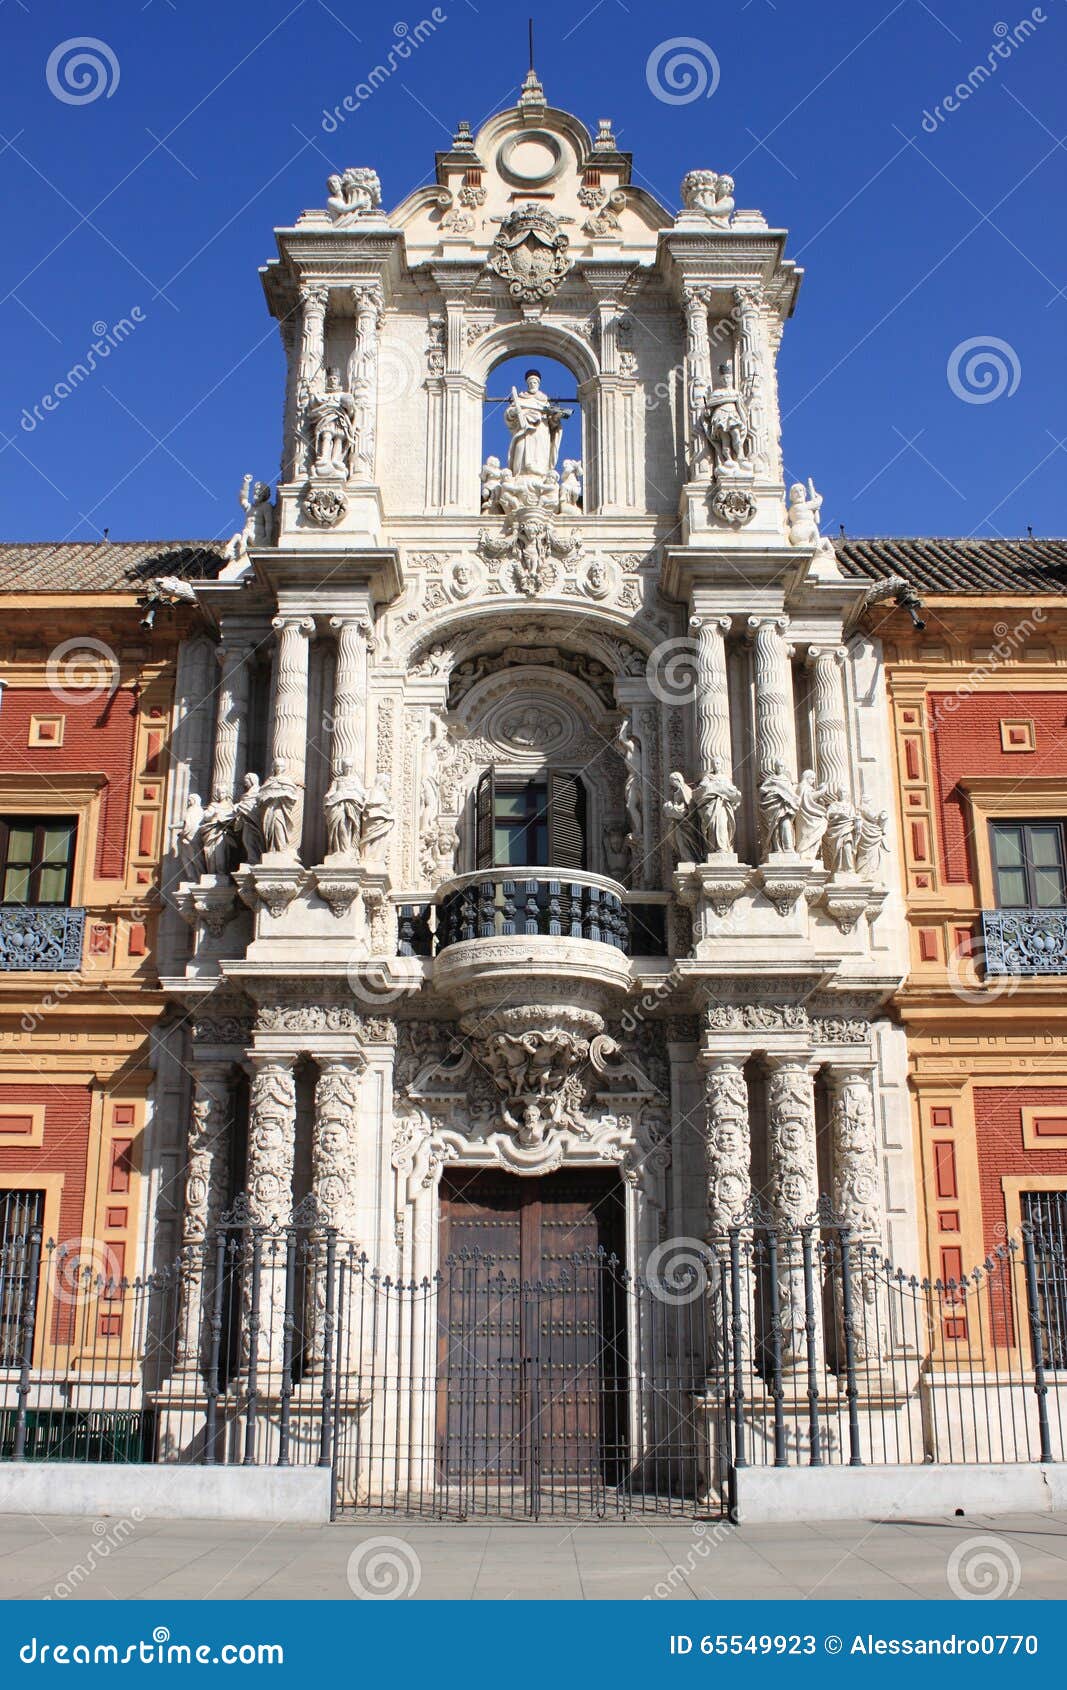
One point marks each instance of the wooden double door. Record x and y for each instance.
(532, 1324)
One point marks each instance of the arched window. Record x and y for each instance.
(531, 437)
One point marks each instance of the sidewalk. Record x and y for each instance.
(1023, 1555)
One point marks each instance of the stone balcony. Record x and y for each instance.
(41, 938)
(1025, 941)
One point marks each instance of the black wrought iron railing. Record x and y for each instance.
(1025, 941)
(504, 903)
(40, 937)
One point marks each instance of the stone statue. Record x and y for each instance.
(626, 745)
(343, 807)
(246, 820)
(278, 799)
(258, 524)
(570, 487)
(379, 819)
(190, 845)
(708, 192)
(616, 856)
(491, 479)
(439, 853)
(715, 801)
(778, 802)
(332, 421)
(684, 830)
(536, 426)
(811, 814)
(216, 832)
(870, 840)
(841, 820)
(802, 518)
(430, 785)
(354, 193)
(726, 426)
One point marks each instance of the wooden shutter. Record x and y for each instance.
(484, 814)
(566, 820)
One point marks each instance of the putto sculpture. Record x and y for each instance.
(707, 192)
(355, 192)
(258, 529)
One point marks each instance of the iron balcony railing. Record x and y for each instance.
(1025, 941)
(532, 902)
(40, 937)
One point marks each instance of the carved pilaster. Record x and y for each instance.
(350, 695)
(830, 728)
(856, 1194)
(727, 1141)
(750, 371)
(775, 722)
(231, 721)
(793, 1179)
(313, 300)
(333, 1151)
(289, 727)
(271, 1139)
(206, 1179)
(698, 371)
(363, 373)
(714, 745)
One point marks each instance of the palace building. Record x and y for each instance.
(553, 890)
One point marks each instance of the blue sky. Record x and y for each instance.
(919, 238)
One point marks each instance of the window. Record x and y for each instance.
(20, 1212)
(537, 823)
(1028, 864)
(36, 859)
(1045, 1213)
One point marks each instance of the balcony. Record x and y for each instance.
(41, 938)
(1025, 941)
(508, 903)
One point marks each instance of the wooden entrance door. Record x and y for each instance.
(531, 1342)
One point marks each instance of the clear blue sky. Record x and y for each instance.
(162, 196)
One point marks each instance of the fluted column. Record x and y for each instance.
(290, 725)
(830, 728)
(271, 1152)
(350, 695)
(793, 1179)
(231, 721)
(714, 745)
(206, 1180)
(856, 1193)
(776, 740)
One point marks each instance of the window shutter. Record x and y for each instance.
(484, 812)
(566, 820)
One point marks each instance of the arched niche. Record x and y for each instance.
(563, 358)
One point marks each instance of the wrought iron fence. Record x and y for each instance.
(588, 1392)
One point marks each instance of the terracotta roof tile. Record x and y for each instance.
(934, 565)
(85, 566)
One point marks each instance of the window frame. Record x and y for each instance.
(1027, 867)
(38, 825)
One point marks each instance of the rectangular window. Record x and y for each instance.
(520, 826)
(1028, 865)
(36, 859)
(20, 1211)
(1045, 1213)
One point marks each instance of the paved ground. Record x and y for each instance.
(1023, 1555)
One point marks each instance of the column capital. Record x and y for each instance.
(779, 621)
(824, 653)
(286, 621)
(314, 296)
(711, 620)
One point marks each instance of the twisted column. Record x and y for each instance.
(714, 745)
(831, 732)
(856, 1192)
(207, 1172)
(793, 1179)
(231, 720)
(290, 725)
(350, 694)
(776, 740)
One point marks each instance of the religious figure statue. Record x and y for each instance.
(216, 832)
(626, 745)
(811, 814)
(354, 193)
(708, 192)
(536, 425)
(726, 426)
(684, 830)
(343, 807)
(332, 420)
(870, 839)
(258, 524)
(778, 802)
(841, 820)
(379, 819)
(246, 820)
(278, 799)
(715, 801)
(189, 841)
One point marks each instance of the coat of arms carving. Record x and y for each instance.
(530, 254)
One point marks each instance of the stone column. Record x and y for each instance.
(363, 372)
(231, 720)
(793, 1180)
(831, 732)
(290, 725)
(713, 698)
(750, 371)
(334, 1141)
(206, 1180)
(698, 369)
(776, 740)
(856, 1192)
(727, 1142)
(350, 695)
(313, 301)
(290, 417)
(271, 1148)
